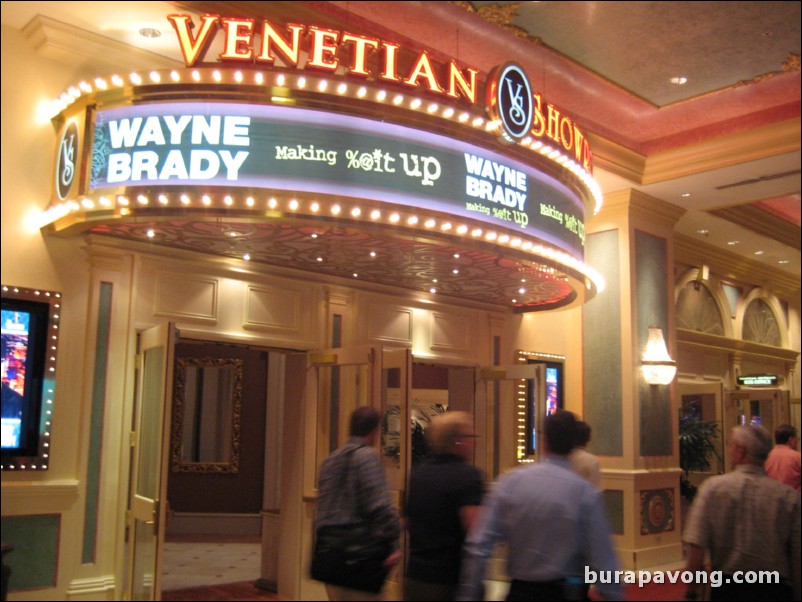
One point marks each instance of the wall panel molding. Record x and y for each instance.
(391, 324)
(186, 298)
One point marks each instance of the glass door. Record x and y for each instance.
(149, 462)
(767, 407)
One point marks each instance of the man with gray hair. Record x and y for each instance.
(748, 523)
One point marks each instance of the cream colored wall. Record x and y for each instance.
(28, 260)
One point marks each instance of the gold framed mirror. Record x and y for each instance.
(207, 415)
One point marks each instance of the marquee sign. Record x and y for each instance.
(510, 98)
(283, 148)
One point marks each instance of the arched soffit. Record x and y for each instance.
(700, 306)
(761, 318)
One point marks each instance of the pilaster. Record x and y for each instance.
(630, 243)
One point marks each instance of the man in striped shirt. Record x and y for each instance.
(353, 492)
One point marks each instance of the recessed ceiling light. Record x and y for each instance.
(732, 243)
(783, 261)
(759, 252)
(679, 80)
(685, 195)
(149, 32)
(704, 231)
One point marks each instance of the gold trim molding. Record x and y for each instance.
(762, 223)
(691, 251)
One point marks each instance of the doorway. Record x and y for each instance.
(216, 465)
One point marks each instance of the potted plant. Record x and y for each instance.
(697, 446)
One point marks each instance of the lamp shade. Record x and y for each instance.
(657, 366)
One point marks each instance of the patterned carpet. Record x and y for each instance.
(229, 591)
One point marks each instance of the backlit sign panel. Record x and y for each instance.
(758, 380)
(205, 144)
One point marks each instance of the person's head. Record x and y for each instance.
(583, 431)
(559, 430)
(364, 422)
(750, 445)
(449, 433)
(785, 435)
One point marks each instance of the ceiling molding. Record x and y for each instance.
(760, 143)
(71, 45)
(707, 341)
(616, 159)
(763, 223)
(692, 251)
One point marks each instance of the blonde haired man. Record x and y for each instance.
(445, 493)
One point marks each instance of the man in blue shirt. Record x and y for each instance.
(553, 523)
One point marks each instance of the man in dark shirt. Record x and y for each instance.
(445, 494)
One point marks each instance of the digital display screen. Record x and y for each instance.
(317, 152)
(537, 409)
(24, 332)
(552, 390)
(15, 329)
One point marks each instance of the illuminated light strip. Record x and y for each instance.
(214, 76)
(356, 213)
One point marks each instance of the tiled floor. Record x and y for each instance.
(226, 570)
(195, 564)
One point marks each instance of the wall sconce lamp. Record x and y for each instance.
(657, 366)
(702, 276)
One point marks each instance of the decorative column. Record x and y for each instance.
(635, 424)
